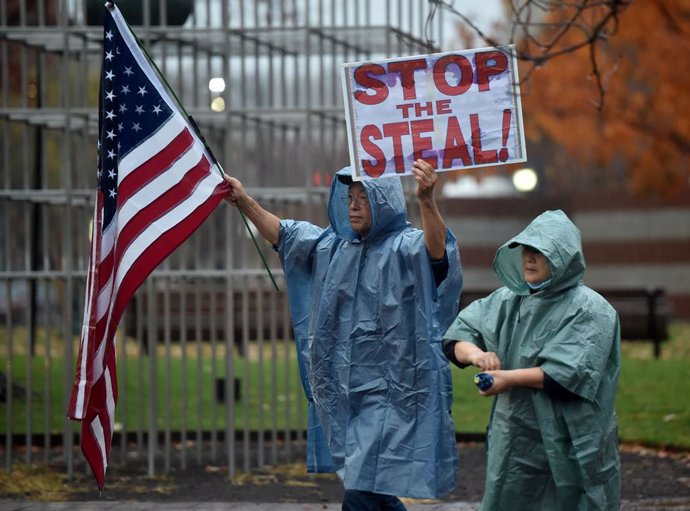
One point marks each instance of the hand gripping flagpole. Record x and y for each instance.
(197, 131)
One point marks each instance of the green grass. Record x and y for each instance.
(653, 394)
(183, 406)
(651, 404)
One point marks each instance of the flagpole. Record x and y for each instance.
(110, 5)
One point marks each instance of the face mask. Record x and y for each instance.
(537, 287)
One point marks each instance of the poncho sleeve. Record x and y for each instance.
(296, 247)
(576, 356)
(478, 323)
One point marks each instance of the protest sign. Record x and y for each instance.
(456, 110)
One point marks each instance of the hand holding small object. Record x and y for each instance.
(483, 380)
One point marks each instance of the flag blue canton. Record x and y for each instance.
(132, 109)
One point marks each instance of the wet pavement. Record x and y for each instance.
(668, 504)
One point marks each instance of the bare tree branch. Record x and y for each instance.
(542, 30)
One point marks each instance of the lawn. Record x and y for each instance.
(185, 395)
(652, 402)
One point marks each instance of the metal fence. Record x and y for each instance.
(206, 363)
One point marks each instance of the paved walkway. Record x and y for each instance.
(670, 504)
(15, 505)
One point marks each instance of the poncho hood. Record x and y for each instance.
(386, 199)
(554, 235)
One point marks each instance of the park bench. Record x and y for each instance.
(644, 313)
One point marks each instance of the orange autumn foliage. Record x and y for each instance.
(640, 138)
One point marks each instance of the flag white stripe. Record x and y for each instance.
(108, 238)
(109, 397)
(156, 229)
(150, 147)
(105, 292)
(88, 301)
(99, 437)
(104, 298)
(159, 185)
(97, 363)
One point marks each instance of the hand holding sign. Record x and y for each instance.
(426, 178)
(453, 110)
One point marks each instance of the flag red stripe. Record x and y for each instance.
(157, 164)
(160, 206)
(160, 249)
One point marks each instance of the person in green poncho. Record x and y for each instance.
(552, 346)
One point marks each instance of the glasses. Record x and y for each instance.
(359, 201)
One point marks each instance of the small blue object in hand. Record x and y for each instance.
(483, 380)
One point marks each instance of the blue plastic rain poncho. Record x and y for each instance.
(546, 453)
(369, 319)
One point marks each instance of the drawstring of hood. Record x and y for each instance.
(539, 287)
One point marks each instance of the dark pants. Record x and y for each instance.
(356, 500)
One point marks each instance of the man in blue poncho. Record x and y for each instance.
(370, 298)
(551, 345)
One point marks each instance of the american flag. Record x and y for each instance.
(156, 184)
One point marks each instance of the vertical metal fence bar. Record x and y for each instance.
(67, 228)
(213, 313)
(122, 392)
(258, 283)
(29, 350)
(274, 378)
(163, 21)
(167, 334)
(139, 377)
(47, 370)
(230, 341)
(310, 140)
(152, 393)
(27, 238)
(287, 352)
(226, 229)
(4, 78)
(184, 412)
(199, 367)
(245, 378)
(9, 418)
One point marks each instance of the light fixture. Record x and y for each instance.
(216, 85)
(218, 104)
(525, 180)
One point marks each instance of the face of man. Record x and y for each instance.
(359, 209)
(535, 267)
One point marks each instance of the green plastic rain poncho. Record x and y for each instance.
(546, 453)
(369, 321)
